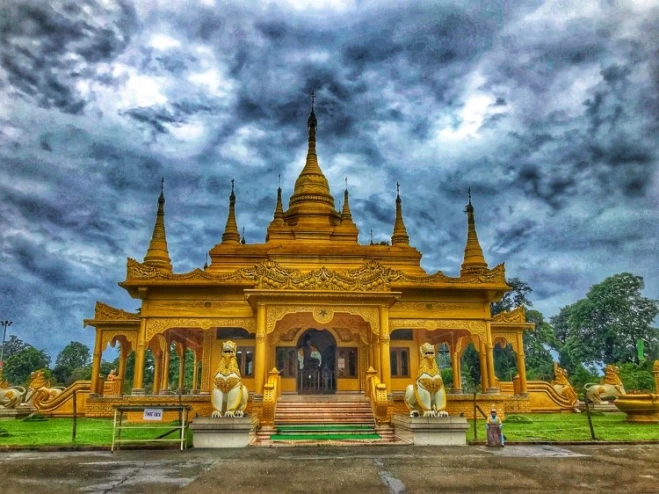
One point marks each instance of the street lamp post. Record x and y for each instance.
(6, 324)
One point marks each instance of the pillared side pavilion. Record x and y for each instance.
(310, 301)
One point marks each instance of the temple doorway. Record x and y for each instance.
(316, 351)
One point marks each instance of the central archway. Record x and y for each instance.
(316, 351)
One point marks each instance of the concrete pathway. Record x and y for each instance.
(363, 470)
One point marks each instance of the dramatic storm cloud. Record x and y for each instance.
(547, 110)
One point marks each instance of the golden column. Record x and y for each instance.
(521, 364)
(376, 355)
(195, 374)
(124, 349)
(483, 365)
(259, 352)
(181, 368)
(164, 380)
(385, 357)
(490, 361)
(96, 363)
(457, 376)
(138, 379)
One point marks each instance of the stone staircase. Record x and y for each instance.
(324, 419)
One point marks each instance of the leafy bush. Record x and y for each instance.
(637, 377)
(4, 432)
(518, 419)
(35, 417)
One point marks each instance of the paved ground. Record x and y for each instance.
(368, 469)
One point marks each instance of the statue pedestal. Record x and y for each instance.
(431, 431)
(221, 432)
(17, 413)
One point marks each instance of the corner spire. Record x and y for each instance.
(277, 228)
(231, 234)
(473, 257)
(346, 229)
(399, 236)
(158, 255)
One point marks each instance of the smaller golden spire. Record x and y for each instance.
(399, 237)
(473, 258)
(158, 255)
(231, 234)
(277, 227)
(346, 229)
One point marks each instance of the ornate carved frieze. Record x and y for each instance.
(276, 313)
(372, 276)
(109, 337)
(477, 328)
(105, 312)
(517, 315)
(503, 338)
(156, 325)
(427, 306)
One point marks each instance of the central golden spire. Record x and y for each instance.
(311, 209)
(473, 258)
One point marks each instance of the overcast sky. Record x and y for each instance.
(547, 110)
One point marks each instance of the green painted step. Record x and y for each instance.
(323, 437)
(327, 427)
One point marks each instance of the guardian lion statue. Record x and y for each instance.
(427, 395)
(608, 389)
(229, 398)
(39, 390)
(11, 396)
(562, 386)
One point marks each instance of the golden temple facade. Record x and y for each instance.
(310, 303)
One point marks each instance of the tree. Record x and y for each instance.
(73, 356)
(537, 342)
(514, 298)
(14, 345)
(19, 366)
(604, 327)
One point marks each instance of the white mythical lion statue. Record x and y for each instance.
(609, 388)
(229, 398)
(427, 395)
(11, 396)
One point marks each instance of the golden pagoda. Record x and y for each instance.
(310, 306)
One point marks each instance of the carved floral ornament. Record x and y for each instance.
(372, 276)
(105, 312)
(109, 337)
(517, 315)
(322, 315)
(504, 338)
(475, 328)
(158, 325)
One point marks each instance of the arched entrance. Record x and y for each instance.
(316, 350)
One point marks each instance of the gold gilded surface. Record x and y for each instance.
(161, 324)
(517, 315)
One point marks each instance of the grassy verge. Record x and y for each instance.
(90, 432)
(570, 427)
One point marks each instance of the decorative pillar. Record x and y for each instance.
(181, 367)
(385, 357)
(138, 374)
(195, 374)
(209, 338)
(259, 352)
(96, 363)
(376, 355)
(157, 370)
(124, 349)
(164, 381)
(457, 375)
(492, 385)
(521, 364)
(483, 365)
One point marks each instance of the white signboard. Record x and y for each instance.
(152, 414)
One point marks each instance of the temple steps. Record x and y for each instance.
(325, 421)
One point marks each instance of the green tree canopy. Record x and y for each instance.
(73, 356)
(604, 327)
(19, 366)
(14, 345)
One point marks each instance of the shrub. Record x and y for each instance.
(35, 417)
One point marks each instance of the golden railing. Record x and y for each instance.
(271, 393)
(377, 393)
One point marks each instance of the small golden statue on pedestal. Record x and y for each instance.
(229, 398)
(427, 395)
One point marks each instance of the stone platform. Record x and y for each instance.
(221, 432)
(431, 431)
(15, 413)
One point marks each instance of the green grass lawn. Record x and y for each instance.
(542, 427)
(94, 432)
(570, 427)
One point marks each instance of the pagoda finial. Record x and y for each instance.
(206, 263)
(158, 255)
(231, 234)
(242, 240)
(399, 237)
(371, 236)
(473, 257)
